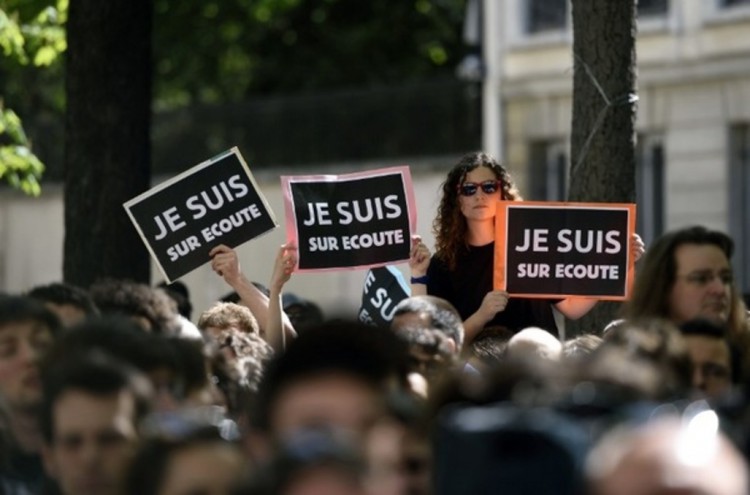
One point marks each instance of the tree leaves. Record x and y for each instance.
(40, 41)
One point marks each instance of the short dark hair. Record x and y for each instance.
(180, 295)
(16, 309)
(148, 468)
(705, 328)
(442, 315)
(115, 336)
(94, 373)
(62, 293)
(130, 298)
(702, 327)
(370, 354)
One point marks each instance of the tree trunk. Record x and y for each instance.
(602, 138)
(107, 148)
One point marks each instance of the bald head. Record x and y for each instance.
(535, 343)
(668, 457)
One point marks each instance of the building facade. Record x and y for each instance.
(693, 115)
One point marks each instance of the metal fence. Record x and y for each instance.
(425, 119)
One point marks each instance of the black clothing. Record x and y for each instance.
(466, 286)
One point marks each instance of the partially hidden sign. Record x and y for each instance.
(550, 249)
(383, 289)
(215, 202)
(350, 221)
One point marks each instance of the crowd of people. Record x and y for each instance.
(118, 389)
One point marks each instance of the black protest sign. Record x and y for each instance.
(215, 202)
(384, 288)
(564, 249)
(350, 221)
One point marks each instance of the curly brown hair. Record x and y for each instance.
(450, 225)
(224, 315)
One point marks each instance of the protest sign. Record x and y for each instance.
(215, 202)
(384, 288)
(548, 249)
(350, 221)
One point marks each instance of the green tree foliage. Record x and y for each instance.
(31, 34)
(217, 50)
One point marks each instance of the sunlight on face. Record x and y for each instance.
(480, 206)
(702, 287)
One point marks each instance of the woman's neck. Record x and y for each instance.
(480, 233)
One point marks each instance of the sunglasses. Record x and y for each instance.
(471, 188)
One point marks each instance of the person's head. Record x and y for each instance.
(151, 308)
(432, 329)
(489, 345)
(534, 343)
(334, 375)
(71, 304)
(647, 356)
(470, 192)
(311, 462)
(180, 294)
(245, 355)
(27, 331)
(225, 315)
(710, 356)
(578, 347)
(200, 461)
(179, 372)
(302, 313)
(397, 449)
(92, 405)
(669, 456)
(686, 274)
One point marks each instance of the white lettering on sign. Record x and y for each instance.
(347, 212)
(368, 209)
(601, 272)
(577, 240)
(533, 270)
(226, 225)
(172, 220)
(215, 197)
(597, 241)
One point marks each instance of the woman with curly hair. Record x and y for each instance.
(461, 269)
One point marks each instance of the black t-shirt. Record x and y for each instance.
(466, 286)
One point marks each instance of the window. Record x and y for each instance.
(649, 176)
(546, 15)
(652, 7)
(549, 171)
(732, 3)
(739, 201)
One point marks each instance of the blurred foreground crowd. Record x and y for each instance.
(113, 390)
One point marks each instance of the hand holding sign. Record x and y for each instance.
(286, 261)
(494, 302)
(224, 261)
(216, 202)
(547, 249)
(419, 257)
(637, 247)
(350, 221)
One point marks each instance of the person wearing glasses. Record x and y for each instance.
(687, 275)
(461, 269)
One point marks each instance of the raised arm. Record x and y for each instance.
(419, 261)
(494, 302)
(286, 260)
(226, 263)
(576, 307)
